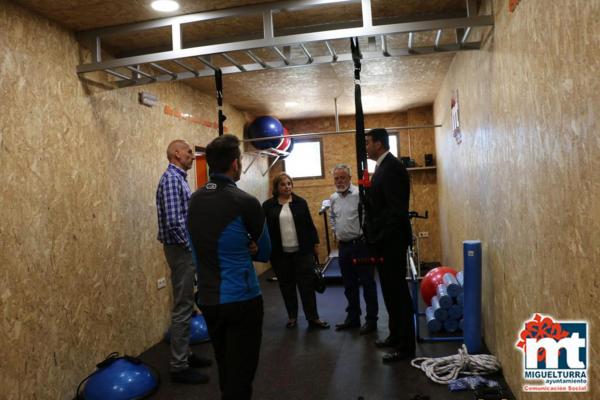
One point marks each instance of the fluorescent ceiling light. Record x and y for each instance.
(165, 5)
(290, 104)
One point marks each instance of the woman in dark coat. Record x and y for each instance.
(294, 242)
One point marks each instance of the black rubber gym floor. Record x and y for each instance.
(305, 364)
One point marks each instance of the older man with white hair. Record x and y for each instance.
(351, 244)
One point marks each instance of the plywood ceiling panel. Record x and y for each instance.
(388, 85)
(391, 84)
(78, 15)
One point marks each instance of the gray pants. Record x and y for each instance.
(182, 267)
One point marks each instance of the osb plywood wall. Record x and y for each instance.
(524, 180)
(254, 182)
(341, 149)
(79, 259)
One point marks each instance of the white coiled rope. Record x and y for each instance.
(444, 369)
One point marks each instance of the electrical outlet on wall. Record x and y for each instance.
(423, 234)
(161, 283)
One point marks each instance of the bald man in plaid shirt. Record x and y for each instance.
(172, 198)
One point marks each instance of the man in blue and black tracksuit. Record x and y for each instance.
(227, 231)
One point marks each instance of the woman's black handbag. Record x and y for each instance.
(318, 277)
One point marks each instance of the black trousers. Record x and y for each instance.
(235, 331)
(295, 269)
(392, 277)
(355, 276)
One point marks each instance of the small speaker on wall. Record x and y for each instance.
(147, 99)
(429, 160)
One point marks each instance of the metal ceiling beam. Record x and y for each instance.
(331, 50)
(207, 63)
(268, 40)
(139, 73)
(118, 75)
(465, 35)
(301, 62)
(471, 8)
(384, 47)
(379, 30)
(257, 59)
(280, 54)
(186, 67)
(233, 61)
(438, 37)
(164, 70)
(305, 51)
(411, 42)
(178, 54)
(288, 30)
(337, 132)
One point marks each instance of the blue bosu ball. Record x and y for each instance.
(198, 330)
(120, 380)
(264, 127)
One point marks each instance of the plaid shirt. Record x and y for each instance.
(172, 200)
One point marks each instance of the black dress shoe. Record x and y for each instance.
(368, 327)
(344, 326)
(292, 322)
(318, 324)
(189, 376)
(387, 342)
(398, 356)
(195, 361)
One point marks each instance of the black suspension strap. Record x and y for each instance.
(219, 84)
(361, 150)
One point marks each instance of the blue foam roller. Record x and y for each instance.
(121, 380)
(460, 299)
(443, 296)
(452, 285)
(455, 312)
(433, 324)
(441, 314)
(472, 295)
(460, 278)
(450, 325)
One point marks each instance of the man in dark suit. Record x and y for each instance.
(389, 234)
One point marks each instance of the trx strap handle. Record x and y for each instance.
(361, 149)
(219, 84)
